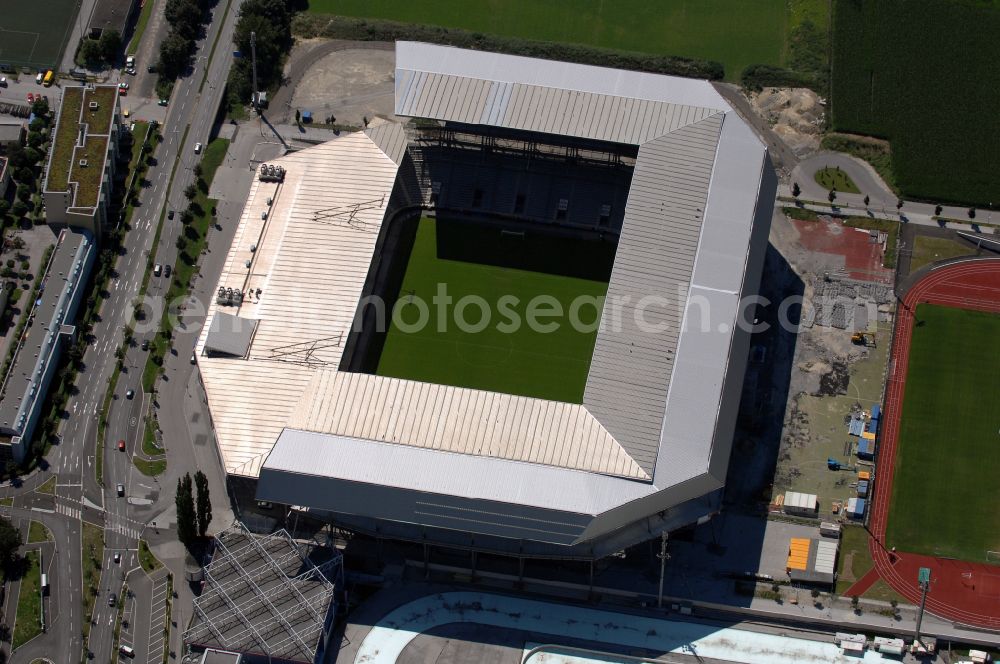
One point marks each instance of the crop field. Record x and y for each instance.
(498, 351)
(948, 457)
(923, 79)
(732, 32)
(33, 36)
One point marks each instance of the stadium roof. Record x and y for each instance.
(686, 237)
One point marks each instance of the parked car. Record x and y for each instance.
(194, 359)
(163, 102)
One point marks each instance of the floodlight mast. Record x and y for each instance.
(254, 95)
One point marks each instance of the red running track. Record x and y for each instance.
(964, 592)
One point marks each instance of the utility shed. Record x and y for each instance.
(812, 561)
(230, 335)
(856, 508)
(800, 504)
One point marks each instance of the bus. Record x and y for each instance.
(49, 76)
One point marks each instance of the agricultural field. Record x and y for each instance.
(922, 79)
(728, 31)
(480, 262)
(947, 456)
(32, 37)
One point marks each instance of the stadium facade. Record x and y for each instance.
(645, 452)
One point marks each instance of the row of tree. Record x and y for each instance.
(26, 164)
(186, 18)
(271, 21)
(194, 513)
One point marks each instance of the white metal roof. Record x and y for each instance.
(652, 400)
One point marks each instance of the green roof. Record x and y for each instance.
(66, 155)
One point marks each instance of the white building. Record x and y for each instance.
(647, 450)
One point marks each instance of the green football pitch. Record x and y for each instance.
(474, 260)
(944, 499)
(733, 32)
(34, 35)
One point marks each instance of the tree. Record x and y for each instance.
(175, 55)
(32, 156)
(937, 210)
(40, 108)
(190, 191)
(184, 16)
(19, 209)
(899, 204)
(795, 188)
(204, 502)
(181, 243)
(35, 139)
(23, 192)
(187, 217)
(198, 170)
(298, 117)
(10, 540)
(110, 43)
(4, 207)
(90, 53)
(832, 196)
(867, 200)
(972, 213)
(187, 526)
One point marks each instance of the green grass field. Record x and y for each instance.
(948, 457)
(730, 31)
(476, 260)
(34, 36)
(917, 78)
(831, 178)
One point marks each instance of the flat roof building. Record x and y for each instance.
(647, 450)
(49, 328)
(83, 156)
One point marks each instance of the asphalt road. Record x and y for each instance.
(192, 107)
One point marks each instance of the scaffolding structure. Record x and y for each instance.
(265, 596)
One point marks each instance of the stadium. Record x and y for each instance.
(520, 185)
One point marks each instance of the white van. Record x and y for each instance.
(39, 78)
(127, 651)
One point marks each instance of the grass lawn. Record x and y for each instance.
(8, 501)
(802, 214)
(93, 554)
(475, 260)
(149, 447)
(149, 562)
(28, 624)
(927, 250)
(834, 178)
(37, 532)
(730, 31)
(948, 457)
(140, 26)
(48, 486)
(854, 561)
(890, 227)
(150, 468)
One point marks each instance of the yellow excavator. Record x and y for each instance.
(863, 339)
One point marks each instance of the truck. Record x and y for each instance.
(49, 76)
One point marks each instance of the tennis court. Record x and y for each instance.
(34, 35)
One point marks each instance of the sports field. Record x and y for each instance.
(497, 355)
(733, 32)
(944, 499)
(34, 35)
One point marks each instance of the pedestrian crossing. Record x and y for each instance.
(71, 510)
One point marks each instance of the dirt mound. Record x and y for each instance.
(795, 114)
